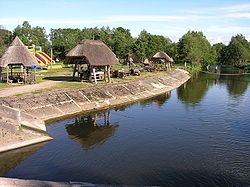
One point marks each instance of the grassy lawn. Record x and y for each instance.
(64, 78)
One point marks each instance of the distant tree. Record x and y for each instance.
(146, 45)
(218, 48)
(237, 52)
(121, 42)
(5, 39)
(194, 47)
(32, 35)
(63, 40)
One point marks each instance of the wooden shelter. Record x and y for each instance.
(17, 56)
(96, 55)
(162, 56)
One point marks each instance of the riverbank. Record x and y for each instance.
(62, 103)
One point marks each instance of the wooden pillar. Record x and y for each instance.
(34, 74)
(1, 74)
(105, 73)
(7, 74)
(74, 72)
(25, 75)
(109, 78)
(11, 70)
(94, 76)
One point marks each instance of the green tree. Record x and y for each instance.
(194, 47)
(5, 39)
(237, 52)
(146, 45)
(121, 42)
(63, 40)
(32, 35)
(218, 48)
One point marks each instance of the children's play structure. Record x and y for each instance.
(44, 60)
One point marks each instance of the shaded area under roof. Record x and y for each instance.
(17, 54)
(93, 52)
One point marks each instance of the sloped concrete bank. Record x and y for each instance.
(50, 105)
(31, 111)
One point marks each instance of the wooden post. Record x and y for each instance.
(25, 75)
(7, 74)
(94, 76)
(109, 79)
(11, 70)
(74, 72)
(1, 74)
(105, 74)
(51, 55)
(34, 74)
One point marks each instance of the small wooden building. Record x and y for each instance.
(16, 63)
(163, 57)
(96, 55)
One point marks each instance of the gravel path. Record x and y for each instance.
(26, 88)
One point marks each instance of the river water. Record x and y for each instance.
(196, 135)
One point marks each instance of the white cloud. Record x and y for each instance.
(237, 8)
(239, 15)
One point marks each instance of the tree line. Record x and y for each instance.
(192, 47)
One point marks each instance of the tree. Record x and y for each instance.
(218, 48)
(194, 47)
(5, 39)
(237, 52)
(32, 35)
(63, 40)
(121, 42)
(146, 45)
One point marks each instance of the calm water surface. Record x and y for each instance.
(197, 135)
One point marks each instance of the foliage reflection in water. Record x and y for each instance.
(197, 135)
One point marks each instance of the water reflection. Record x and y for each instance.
(236, 86)
(193, 91)
(159, 100)
(11, 159)
(91, 130)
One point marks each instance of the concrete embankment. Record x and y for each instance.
(50, 105)
(29, 110)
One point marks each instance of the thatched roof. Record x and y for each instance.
(162, 55)
(93, 52)
(17, 53)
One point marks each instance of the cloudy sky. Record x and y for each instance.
(217, 19)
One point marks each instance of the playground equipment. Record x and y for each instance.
(44, 60)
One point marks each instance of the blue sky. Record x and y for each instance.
(217, 19)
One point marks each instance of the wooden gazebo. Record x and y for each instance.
(163, 57)
(96, 55)
(17, 56)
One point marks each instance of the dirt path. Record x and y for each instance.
(26, 88)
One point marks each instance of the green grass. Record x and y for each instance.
(64, 76)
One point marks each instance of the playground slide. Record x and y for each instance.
(41, 59)
(46, 57)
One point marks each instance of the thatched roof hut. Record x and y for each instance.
(163, 55)
(93, 52)
(17, 54)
